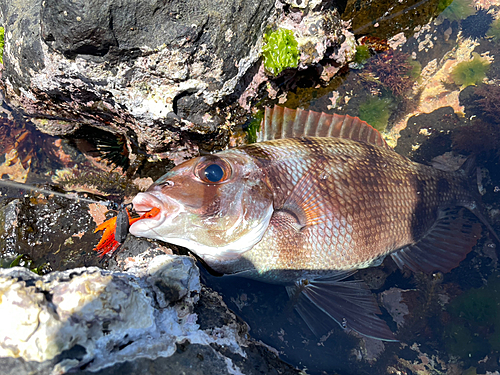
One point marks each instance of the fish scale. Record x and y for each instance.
(309, 211)
(375, 204)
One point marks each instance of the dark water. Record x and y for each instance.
(451, 322)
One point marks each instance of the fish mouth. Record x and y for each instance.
(143, 203)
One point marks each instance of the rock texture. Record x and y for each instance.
(130, 64)
(90, 320)
(158, 73)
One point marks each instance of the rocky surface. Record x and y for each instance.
(132, 65)
(88, 320)
(157, 73)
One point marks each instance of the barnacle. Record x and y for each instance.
(280, 51)
(470, 72)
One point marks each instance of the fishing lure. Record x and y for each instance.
(116, 229)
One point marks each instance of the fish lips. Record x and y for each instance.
(144, 202)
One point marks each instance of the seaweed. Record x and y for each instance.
(394, 71)
(456, 10)
(494, 31)
(253, 126)
(475, 321)
(23, 260)
(362, 54)
(470, 72)
(280, 51)
(480, 137)
(488, 101)
(376, 112)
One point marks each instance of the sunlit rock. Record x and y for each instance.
(91, 318)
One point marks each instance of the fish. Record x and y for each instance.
(317, 198)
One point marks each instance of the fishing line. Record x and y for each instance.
(18, 185)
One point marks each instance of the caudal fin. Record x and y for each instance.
(444, 246)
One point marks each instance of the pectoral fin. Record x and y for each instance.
(444, 246)
(305, 202)
(321, 302)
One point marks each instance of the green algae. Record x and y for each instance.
(376, 112)
(254, 126)
(362, 54)
(470, 72)
(416, 69)
(477, 310)
(456, 10)
(280, 51)
(494, 31)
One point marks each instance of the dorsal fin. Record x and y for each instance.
(280, 122)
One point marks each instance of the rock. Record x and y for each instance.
(393, 301)
(91, 320)
(128, 64)
(48, 232)
(8, 220)
(388, 18)
(156, 73)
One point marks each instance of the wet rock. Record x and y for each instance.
(91, 320)
(48, 232)
(392, 300)
(8, 220)
(384, 19)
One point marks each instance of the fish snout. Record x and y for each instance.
(144, 202)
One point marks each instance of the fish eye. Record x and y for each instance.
(214, 173)
(213, 170)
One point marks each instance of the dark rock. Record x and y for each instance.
(125, 65)
(161, 75)
(384, 19)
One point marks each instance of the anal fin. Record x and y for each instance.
(445, 244)
(324, 302)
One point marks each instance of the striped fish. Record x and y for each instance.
(317, 198)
